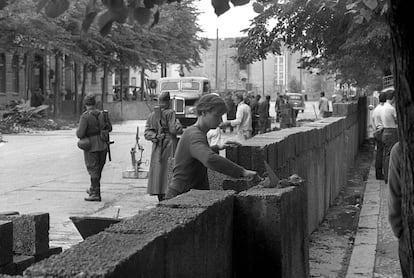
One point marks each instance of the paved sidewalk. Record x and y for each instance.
(375, 248)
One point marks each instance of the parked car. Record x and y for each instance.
(297, 100)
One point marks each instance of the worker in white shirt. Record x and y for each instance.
(243, 121)
(389, 135)
(378, 129)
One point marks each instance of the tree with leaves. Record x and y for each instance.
(324, 33)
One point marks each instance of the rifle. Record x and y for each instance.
(160, 137)
(107, 128)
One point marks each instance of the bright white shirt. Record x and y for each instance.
(376, 116)
(388, 116)
(243, 120)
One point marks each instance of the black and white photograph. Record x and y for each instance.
(198, 138)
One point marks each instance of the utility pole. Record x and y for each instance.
(263, 83)
(217, 45)
(225, 74)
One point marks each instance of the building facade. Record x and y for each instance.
(273, 75)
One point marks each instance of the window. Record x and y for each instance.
(280, 70)
(2, 73)
(15, 73)
(188, 85)
(93, 78)
(170, 85)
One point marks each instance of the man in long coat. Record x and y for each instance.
(162, 129)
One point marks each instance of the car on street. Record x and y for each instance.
(297, 101)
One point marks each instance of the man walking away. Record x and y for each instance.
(389, 135)
(378, 129)
(323, 105)
(94, 125)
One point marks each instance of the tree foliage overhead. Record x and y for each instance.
(33, 25)
(347, 39)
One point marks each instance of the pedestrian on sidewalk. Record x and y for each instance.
(194, 155)
(378, 129)
(323, 105)
(161, 129)
(395, 210)
(96, 126)
(389, 135)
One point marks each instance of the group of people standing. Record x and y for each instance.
(192, 155)
(388, 167)
(188, 157)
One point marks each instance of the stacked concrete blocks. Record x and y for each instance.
(27, 241)
(6, 243)
(188, 236)
(270, 233)
(31, 234)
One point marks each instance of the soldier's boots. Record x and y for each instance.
(94, 191)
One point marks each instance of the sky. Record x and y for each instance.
(229, 24)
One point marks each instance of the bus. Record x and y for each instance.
(184, 93)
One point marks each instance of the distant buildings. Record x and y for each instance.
(277, 73)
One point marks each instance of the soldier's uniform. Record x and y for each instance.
(91, 123)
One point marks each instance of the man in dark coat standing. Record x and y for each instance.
(96, 126)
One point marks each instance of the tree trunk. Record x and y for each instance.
(121, 83)
(104, 85)
(142, 83)
(402, 37)
(76, 108)
(57, 100)
(83, 92)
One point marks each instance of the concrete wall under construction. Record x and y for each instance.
(220, 233)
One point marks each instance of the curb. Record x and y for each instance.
(362, 261)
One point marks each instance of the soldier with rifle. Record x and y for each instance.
(161, 129)
(93, 132)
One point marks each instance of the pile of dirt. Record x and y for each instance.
(19, 117)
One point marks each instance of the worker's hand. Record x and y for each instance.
(231, 144)
(228, 144)
(249, 174)
(160, 136)
(224, 124)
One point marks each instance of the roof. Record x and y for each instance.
(185, 78)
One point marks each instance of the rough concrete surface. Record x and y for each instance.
(387, 264)
(332, 243)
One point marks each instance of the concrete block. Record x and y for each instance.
(22, 262)
(9, 269)
(258, 157)
(106, 255)
(244, 156)
(198, 199)
(162, 242)
(232, 154)
(202, 248)
(31, 234)
(54, 250)
(6, 242)
(216, 179)
(270, 233)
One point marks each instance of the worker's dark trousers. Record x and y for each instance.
(389, 138)
(379, 157)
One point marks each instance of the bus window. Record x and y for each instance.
(188, 85)
(169, 86)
